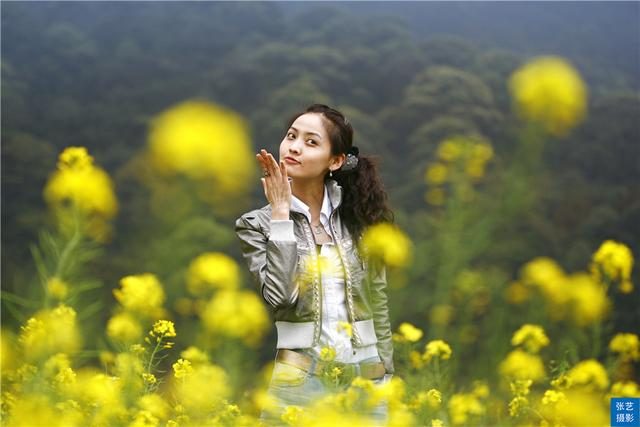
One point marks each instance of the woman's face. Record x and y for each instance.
(307, 141)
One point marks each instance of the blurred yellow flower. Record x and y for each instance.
(212, 270)
(194, 355)
(589, 299)
(87, 187)
(154, 404)
(589, 375)
(625, 389)
(189, 390)
(553, 397)
(57, 288)
(388, 243)
(516, 405)
(521, 365)
(291, 414)
(49, 332)
(436, 349)
(144, 418)
(561, 382)
(435, 196)
(548, 90)
(182, 368)
(203, 141)
(449, 150)
(436, 422)
(626, 345)
(436, 174)
(546, 275)
(520, 387)
(434, 398)
(408, 332)
(123, 327)
(441, 314)
(576, 409)
(614, 260)
(464, 406)
(531, 337)
(516, 293)
(327, 354)
(142, 294)
(345, 327)
(239, 314)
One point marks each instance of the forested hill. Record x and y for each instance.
(94, 74)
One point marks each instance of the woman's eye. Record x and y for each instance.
(312, 141)
(289, 134)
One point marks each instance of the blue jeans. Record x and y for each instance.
(293, 386)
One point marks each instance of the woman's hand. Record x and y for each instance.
(276, 185)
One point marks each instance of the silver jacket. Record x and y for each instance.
(291, 286)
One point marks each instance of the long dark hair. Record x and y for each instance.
(364, 200)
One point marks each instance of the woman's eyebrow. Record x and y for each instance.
(308, 133)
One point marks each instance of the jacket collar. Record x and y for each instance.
(331, 200)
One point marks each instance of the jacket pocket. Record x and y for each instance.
(366, 331)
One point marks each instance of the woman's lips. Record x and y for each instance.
(290, 161)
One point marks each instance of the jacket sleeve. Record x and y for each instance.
(381, 321)
(271, 256)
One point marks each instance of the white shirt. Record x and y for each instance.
(334, 307)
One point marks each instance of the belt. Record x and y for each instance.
(304, 362)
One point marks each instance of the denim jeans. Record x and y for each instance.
(293, 386)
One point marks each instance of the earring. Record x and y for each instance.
(331, 173)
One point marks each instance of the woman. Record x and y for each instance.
(328, 300)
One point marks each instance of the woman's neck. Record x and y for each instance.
(311, 193)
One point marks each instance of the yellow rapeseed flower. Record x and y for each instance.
(449, 150)
(327, 354)
(464, 406)
(531, 337)
(87, 187)
(627, 346)
(142, 294)
(436, 349)
(163, 329)
(546, 275)
(345, 327)
(388, 243)
(124, 327)
(408, 332)
(434, 398)
(189, 390)
(521, 365)
(239, 314)
(182, 368)
(436, 174)
(435, 196)
(203, 141)
(589, 375)
(520, 387)
(57, 288)
(212, 270)
(589, 300)
(549, 91)
(625, 389)
(441, 314)
(577, 409)
(155, 404)
(194, 355)
(553, 397)
(49, 332)
(517, 404)
(615, 261)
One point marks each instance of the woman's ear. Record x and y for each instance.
(338, 161)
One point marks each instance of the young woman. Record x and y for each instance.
(328, 300)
